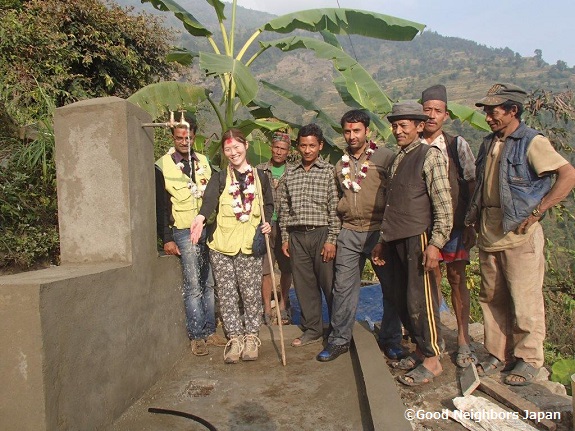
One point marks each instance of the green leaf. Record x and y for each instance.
(562, 370)
(158, 98)
(359, 84)
(248, 126)
(219, 8)
(466, 113)
(260, 109)
(216, 64)
(346, 21)
(306, 104)
(182, 56)
(192, 25)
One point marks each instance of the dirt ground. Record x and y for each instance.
(438, 395)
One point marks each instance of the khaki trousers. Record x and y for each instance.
(511, 297)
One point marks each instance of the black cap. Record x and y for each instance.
(436, 92)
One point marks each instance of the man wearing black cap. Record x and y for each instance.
(416, 223)
(515, 166)
(455, 253)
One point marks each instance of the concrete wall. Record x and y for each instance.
(82, 341)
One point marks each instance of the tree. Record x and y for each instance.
(75, 50)
(54, 52)
(240, 89)
(231, 66)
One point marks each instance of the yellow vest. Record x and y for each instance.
(185, 207)
(231, 235)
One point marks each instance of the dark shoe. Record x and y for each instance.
(393, 351)
(331, 352)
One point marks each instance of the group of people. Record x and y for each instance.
(406, 212)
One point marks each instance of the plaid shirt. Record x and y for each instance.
(466, 157)
(309, 198)
(437, 183)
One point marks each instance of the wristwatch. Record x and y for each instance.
(536, 213)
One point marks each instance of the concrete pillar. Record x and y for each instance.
(104, 159)
(82, 341)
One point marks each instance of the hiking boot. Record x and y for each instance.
(251, 344)
(233, 350)
(216, 340)
(199, 347)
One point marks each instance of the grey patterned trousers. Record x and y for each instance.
(238, 278)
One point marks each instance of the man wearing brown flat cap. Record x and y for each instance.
(515, 169)
(416, 224)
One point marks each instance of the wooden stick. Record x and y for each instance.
(270, 261)
(278, 313)
(506, 396)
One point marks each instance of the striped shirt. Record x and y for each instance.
(309, 198)
(437, 183)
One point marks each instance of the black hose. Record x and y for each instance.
(184, 415)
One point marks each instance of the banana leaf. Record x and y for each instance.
(466, 113)
(217, 64)
(346, 21)
(191, 24)
(360, 84)
(182, 56)
(158, 98)
(248, 126)
(307, 104)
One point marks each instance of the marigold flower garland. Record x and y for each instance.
(361, 174)
(195, 190)
(242, 208)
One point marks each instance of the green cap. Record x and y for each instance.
(501, 93)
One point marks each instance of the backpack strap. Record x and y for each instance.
(453, 154)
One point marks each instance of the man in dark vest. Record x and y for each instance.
(416, 224)
(455, 253)
(515, 169)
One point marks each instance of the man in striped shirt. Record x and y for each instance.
(309, 228)
(416, 225)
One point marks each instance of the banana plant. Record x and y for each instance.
(232, 67)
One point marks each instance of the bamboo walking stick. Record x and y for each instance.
(270, 261)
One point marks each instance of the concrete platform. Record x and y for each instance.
(354, 392)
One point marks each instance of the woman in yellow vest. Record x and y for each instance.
(237, 192)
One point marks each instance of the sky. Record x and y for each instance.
(523, 26)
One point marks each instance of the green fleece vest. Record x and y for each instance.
(231, 236)
(185, 207)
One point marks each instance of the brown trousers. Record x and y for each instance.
(511, 297)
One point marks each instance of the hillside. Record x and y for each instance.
(402, 69)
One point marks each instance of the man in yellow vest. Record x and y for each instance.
(181, 178)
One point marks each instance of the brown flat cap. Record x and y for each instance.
(407, 111)
(501, 93)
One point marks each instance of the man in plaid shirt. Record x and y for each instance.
(416, 224)
(309, 228)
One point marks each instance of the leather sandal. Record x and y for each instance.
(418, 376)
(524, 370)
(407, 363)
(305, 339)
(465, 356)
(490, 366)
